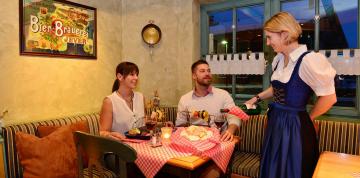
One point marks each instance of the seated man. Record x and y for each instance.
(208, 98)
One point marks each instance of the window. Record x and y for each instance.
(220, 32)
(249, 33)
(245, 35)
(220, 41)
(338, 24)
(338, 30)
(249, 38)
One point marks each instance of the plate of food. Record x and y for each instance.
(199, 138)
(196, 133)
(138, 133)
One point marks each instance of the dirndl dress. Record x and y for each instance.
(290, 147)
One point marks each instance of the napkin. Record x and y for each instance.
(239, 113)
(197, 146)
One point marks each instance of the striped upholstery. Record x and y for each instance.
(13, 167)
(252, 133)
(246, 160)
(338, 136)
(246, 164)
(96, 173)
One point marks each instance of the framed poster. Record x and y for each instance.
(57, 28)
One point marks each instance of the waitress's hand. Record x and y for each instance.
(251, 101)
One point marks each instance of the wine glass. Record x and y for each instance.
(168, 124)
(150, 123)
(219, 120)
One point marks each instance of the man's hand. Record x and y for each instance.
(227, 136)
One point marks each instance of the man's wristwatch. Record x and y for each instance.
(258, 99)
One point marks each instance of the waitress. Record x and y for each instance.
(290, 147)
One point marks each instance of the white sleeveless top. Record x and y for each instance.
(123, 117)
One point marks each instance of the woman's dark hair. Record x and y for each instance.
(124, 68)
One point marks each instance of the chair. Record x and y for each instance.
(95, 147)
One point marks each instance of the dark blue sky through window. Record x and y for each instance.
(220, 22)
(250, 17)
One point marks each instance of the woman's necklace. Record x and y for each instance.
(128, 100)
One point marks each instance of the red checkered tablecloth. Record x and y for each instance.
(221, 154)
(197, 146)
(150, 160)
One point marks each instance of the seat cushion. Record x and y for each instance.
(50, 156)
(246, 164)
(96, 173)
(83, 126)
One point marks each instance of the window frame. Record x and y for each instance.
(233, 5)
(270, 8)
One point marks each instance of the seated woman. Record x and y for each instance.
(124, 108)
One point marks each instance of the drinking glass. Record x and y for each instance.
(168, 124)
(219, 120)
(150, 123)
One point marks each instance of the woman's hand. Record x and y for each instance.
(117, 136)
(113, 135)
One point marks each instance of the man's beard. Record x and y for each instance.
(204, 83)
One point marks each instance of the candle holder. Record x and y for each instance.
(166, 134)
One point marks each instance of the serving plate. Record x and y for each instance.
(144, 134)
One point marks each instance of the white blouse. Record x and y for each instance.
(123, 117)
(315, 70)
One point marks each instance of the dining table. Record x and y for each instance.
(337, 165)
(182, 158)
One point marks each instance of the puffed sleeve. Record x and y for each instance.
(316, 71)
